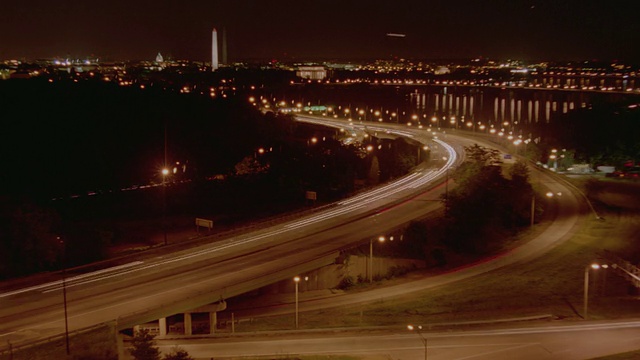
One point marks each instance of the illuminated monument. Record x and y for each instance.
(214, 50)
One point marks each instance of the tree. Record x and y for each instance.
(482, 155)
(144, 347)
(177, 353)
(484, 206)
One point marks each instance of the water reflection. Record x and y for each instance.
(437, 105)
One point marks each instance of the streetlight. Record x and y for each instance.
(64, 293)
(165, 172)
(297, 280)
(424, 339)
(554, 157)
(533, 208)
(586, 286)
(446, 188)
(380, 239)
(549, 194)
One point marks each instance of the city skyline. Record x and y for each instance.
(288, 30)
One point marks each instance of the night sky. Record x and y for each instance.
(339, 30)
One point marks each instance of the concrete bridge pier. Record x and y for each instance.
(162, 326)
(213, 320)
(212, 309)
(188, 327)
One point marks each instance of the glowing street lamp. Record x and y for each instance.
(165, 172)
(64, 293)
(380, 239)
(446, 188)
(424, 339)
(296, 280)
(586, 285)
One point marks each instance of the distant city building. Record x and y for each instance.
(159, 58)
(441, 70)
(214, 50)
(311, 72)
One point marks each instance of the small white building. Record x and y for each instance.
(312, 72)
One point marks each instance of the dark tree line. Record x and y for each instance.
(95, 137)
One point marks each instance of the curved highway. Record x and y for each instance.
(146, 290)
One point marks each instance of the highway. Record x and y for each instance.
(541, 340)
(145, 290)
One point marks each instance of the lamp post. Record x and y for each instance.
(586, 286)
(296, 280)
(533, 208)
(549, 194)
(165, 172)
(64, 294)
(446, 189)
(380, 239)
(424, 339)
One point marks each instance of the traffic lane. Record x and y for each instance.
(554, 342)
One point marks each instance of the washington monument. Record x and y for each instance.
(214, 50)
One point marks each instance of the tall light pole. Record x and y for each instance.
(380, 239)
(586, 286)
(64, 294)
(549, 194)
(165, 172)
(533, 208)
(296, 280)
(424, 339)
(446, 189)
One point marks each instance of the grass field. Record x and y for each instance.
(552, 284)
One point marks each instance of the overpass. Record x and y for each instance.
(180, 282)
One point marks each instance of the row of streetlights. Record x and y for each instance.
(379, 115)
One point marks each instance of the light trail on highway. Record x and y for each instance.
(540, 340)
(29, 313)
(169, 284)
(409, 182)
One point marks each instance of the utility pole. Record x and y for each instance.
(64, 294)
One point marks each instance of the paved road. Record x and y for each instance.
(547, 341)
(145, 290)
